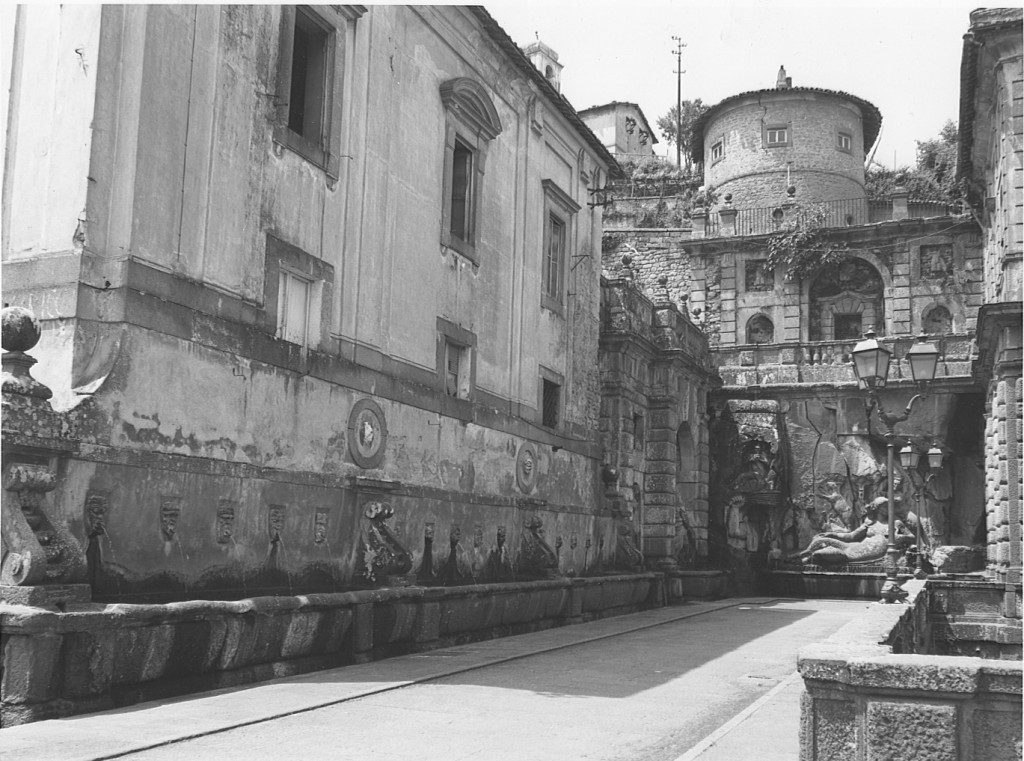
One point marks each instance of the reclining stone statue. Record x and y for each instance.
(865, 543)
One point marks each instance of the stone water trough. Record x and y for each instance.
(92, 657)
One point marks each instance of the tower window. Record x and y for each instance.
(776, 135)
(845, 142)
(717, 151)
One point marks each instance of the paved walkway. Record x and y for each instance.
(702, 681)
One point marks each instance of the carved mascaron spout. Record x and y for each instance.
(383, 554)
(627, 555)
(536, 558)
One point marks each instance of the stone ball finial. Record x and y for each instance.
(791, 190)
(626, 260)
(21, 329)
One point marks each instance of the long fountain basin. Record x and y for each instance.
(93, 657)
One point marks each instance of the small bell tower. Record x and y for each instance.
(545, 60)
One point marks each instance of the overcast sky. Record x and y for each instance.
(903, 56)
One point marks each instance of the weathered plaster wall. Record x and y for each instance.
(53, 69)
(194, 208)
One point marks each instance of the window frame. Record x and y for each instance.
(337, 22)
(720, 145)
(560, 206)
(840, 134)
(787, 129)
(283, 258)
(548, 376)
(450, 334)
(472, 122)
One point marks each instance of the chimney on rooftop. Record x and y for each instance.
(783, 82)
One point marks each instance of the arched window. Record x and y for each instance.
(760, 330)
(845, 301)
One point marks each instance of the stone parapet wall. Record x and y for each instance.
(944, 708)
(96, 657)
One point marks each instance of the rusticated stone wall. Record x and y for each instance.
(656, 374)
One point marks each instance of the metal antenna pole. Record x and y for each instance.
(679, 97)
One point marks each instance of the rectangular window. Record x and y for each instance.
(456, 347)
(776, 136)
(552, 393)
(462, 193)
(717, 151)
(559, 212)
(456, 370)
(310, 81)
(293, 308)
(554, 259)
(845, 142)
(308, 77)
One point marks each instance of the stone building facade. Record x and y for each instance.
(622, 128)
(794, 451)
(655, 378)
(319, 292)
(990, 164)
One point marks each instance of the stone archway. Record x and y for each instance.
(845, 301)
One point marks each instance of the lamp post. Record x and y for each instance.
(871, 366)
(909, 458)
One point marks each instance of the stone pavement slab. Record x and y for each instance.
(651, 685)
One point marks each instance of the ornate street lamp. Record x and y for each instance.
(909, 459)
(871, 366)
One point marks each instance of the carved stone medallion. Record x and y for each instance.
(526, 468)
(367, 434)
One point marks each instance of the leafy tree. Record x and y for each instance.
(679, 132)
(937, 157)
(932, 179)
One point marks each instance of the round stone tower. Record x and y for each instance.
(758, 144)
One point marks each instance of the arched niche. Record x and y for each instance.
(845, 300)
(937, 320)
(760, 330)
